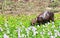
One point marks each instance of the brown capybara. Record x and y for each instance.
(43, 18)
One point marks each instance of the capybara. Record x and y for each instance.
(43, 18)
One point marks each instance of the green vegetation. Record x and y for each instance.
(12, 26)
(19, 26)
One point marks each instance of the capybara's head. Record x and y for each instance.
(37, 20)
(33, 22)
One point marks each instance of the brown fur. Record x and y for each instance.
(34, 21)
(42, 19)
